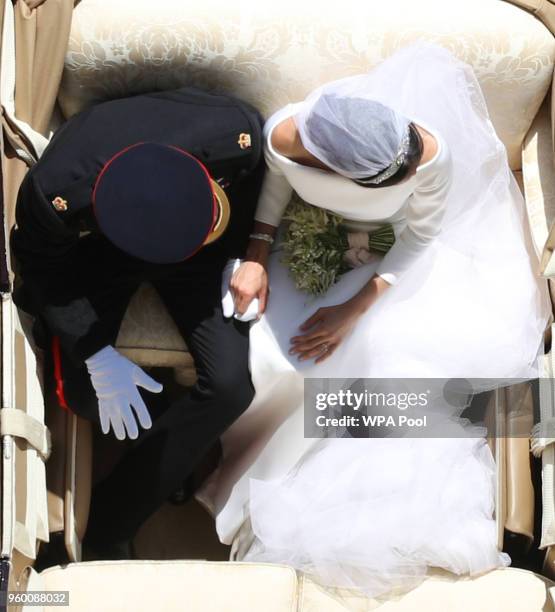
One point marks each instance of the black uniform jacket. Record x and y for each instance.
(209, 126)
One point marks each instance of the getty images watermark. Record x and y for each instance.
(420, 407)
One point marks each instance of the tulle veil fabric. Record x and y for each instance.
(375, 514)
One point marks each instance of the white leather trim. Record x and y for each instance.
(20, 380)
(19, 424)
(8, 447)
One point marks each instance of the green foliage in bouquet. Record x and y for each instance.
(314, 246)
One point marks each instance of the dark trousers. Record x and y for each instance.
(185, 429)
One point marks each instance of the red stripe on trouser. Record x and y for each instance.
(58, 373)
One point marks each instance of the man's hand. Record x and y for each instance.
(228, 305)
(115, 380)
(249, 282)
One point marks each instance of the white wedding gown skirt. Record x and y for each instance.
(376, 513)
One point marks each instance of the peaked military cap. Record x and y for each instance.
(158, 203)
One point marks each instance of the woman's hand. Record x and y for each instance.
(328, 326)
(324, 331)
(249, 281)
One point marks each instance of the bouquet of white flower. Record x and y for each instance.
(316, 244)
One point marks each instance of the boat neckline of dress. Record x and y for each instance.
(328, 172)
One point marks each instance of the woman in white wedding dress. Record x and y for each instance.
(455, 296)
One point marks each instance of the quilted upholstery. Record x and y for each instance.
(274, 53)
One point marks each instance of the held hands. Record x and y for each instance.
(244, 289)
(115, 380)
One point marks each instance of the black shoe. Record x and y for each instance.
(52, 552)
(184, 493)
(97, 550)
(195, 480)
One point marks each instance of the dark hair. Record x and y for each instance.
(412, 159)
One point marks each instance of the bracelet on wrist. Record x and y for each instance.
(259, 236)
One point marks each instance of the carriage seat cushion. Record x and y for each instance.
(148, 335)
(198, 586)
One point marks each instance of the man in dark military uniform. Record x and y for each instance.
(132, 190)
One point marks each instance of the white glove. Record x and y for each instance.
(228, 306)
(115, 380)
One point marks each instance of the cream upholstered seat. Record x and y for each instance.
(273, 53)
(249, 587)
(148, 335)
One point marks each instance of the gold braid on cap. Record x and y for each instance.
(222, 218)
(388, 172)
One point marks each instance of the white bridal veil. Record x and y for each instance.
(353, 134)
(480, 251)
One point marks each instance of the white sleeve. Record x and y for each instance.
(275, 193)
(425, 211)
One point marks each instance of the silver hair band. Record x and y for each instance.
(394, 166)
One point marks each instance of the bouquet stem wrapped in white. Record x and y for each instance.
(316, 245)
